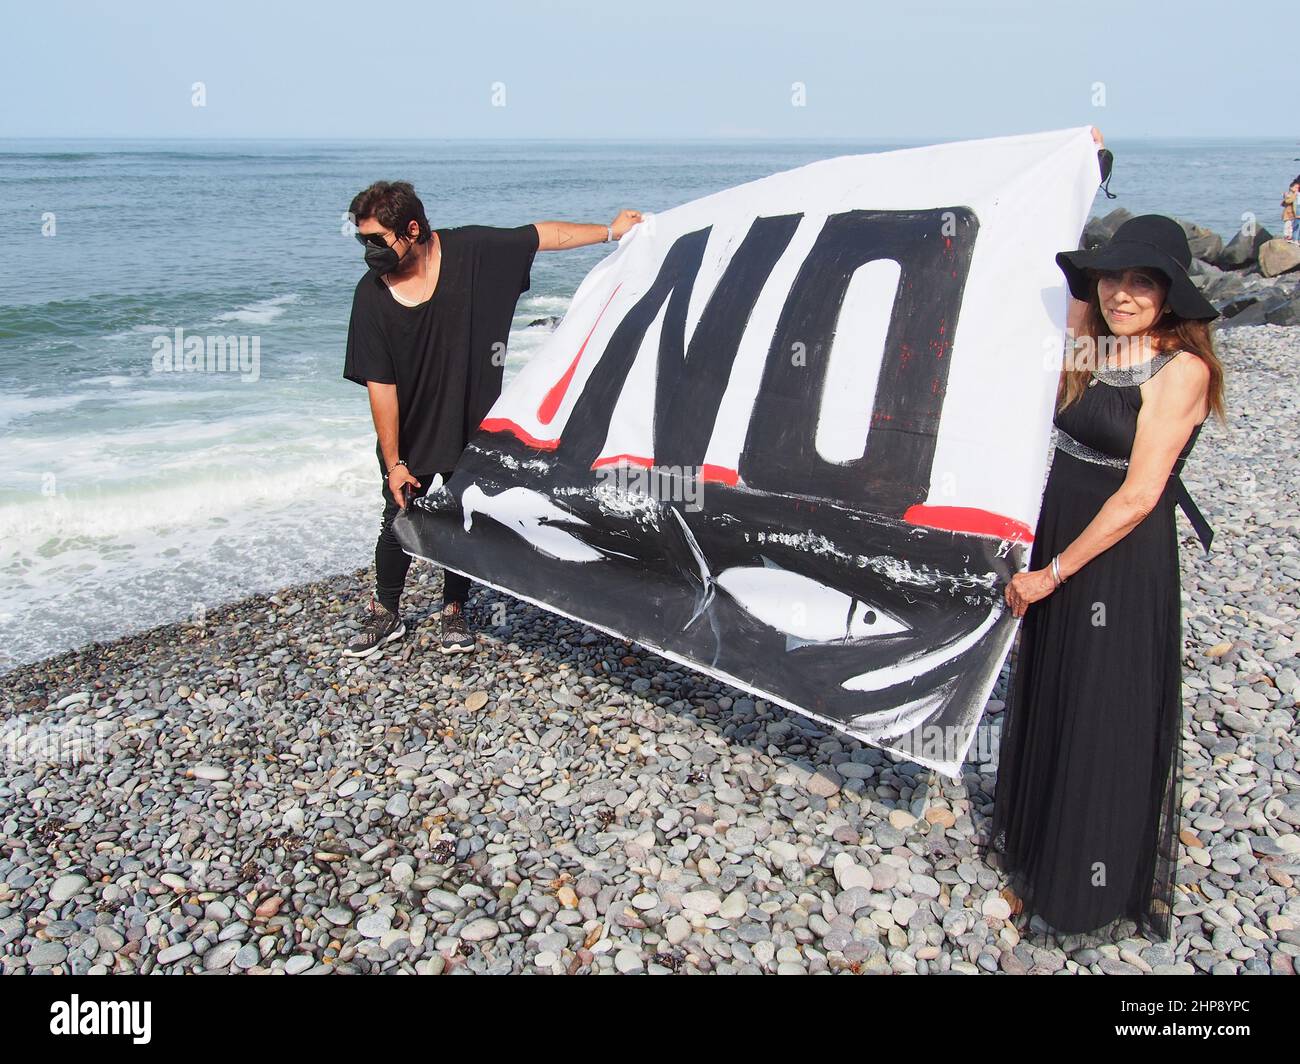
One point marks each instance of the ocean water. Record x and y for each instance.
(130, 497)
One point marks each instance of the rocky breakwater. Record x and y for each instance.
(1253, 279)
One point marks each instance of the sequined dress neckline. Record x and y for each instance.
(1128, 376)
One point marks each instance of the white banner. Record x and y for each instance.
(794, 434)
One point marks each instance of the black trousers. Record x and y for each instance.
(392, 563)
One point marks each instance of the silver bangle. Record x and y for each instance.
(1056, 571)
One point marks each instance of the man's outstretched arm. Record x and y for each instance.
(383, 410)
(561, 236)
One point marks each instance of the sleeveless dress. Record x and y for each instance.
(1088, 797)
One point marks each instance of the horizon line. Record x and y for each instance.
(873, 139)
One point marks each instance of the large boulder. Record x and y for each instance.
(1254, 314)
(1234, 307)
(1259, 307)
(1202, 272)
(1221, 288)
(1204, 243)
(1208, 246)
(1278, 257)
(1098, 231)
(1242, 250)
(1286, 314)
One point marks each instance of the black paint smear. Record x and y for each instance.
(652, 596)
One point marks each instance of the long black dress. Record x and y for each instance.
(1087, 804)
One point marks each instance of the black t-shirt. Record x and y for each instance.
(440, 353)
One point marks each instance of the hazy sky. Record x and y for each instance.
(662, 68)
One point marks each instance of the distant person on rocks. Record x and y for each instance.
(1290, 228)
(427, 338)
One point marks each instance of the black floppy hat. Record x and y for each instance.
(1149, 240)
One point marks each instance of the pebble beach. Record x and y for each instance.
(229, 795)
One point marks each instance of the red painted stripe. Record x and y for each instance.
(504, 424)
(969, 519)
(615, 459)
(553, 398)
(720, 474)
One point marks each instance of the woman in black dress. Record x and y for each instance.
(1087, 804)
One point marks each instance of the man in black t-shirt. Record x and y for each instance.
(427, 339)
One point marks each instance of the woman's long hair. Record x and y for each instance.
(1171, 333)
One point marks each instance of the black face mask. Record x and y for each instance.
(384, 260)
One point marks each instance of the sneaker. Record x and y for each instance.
(456, 636)
(381, 626)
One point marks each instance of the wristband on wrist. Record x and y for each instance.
(609, 233)
(399, 462)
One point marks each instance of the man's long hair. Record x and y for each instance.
(394, 205)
